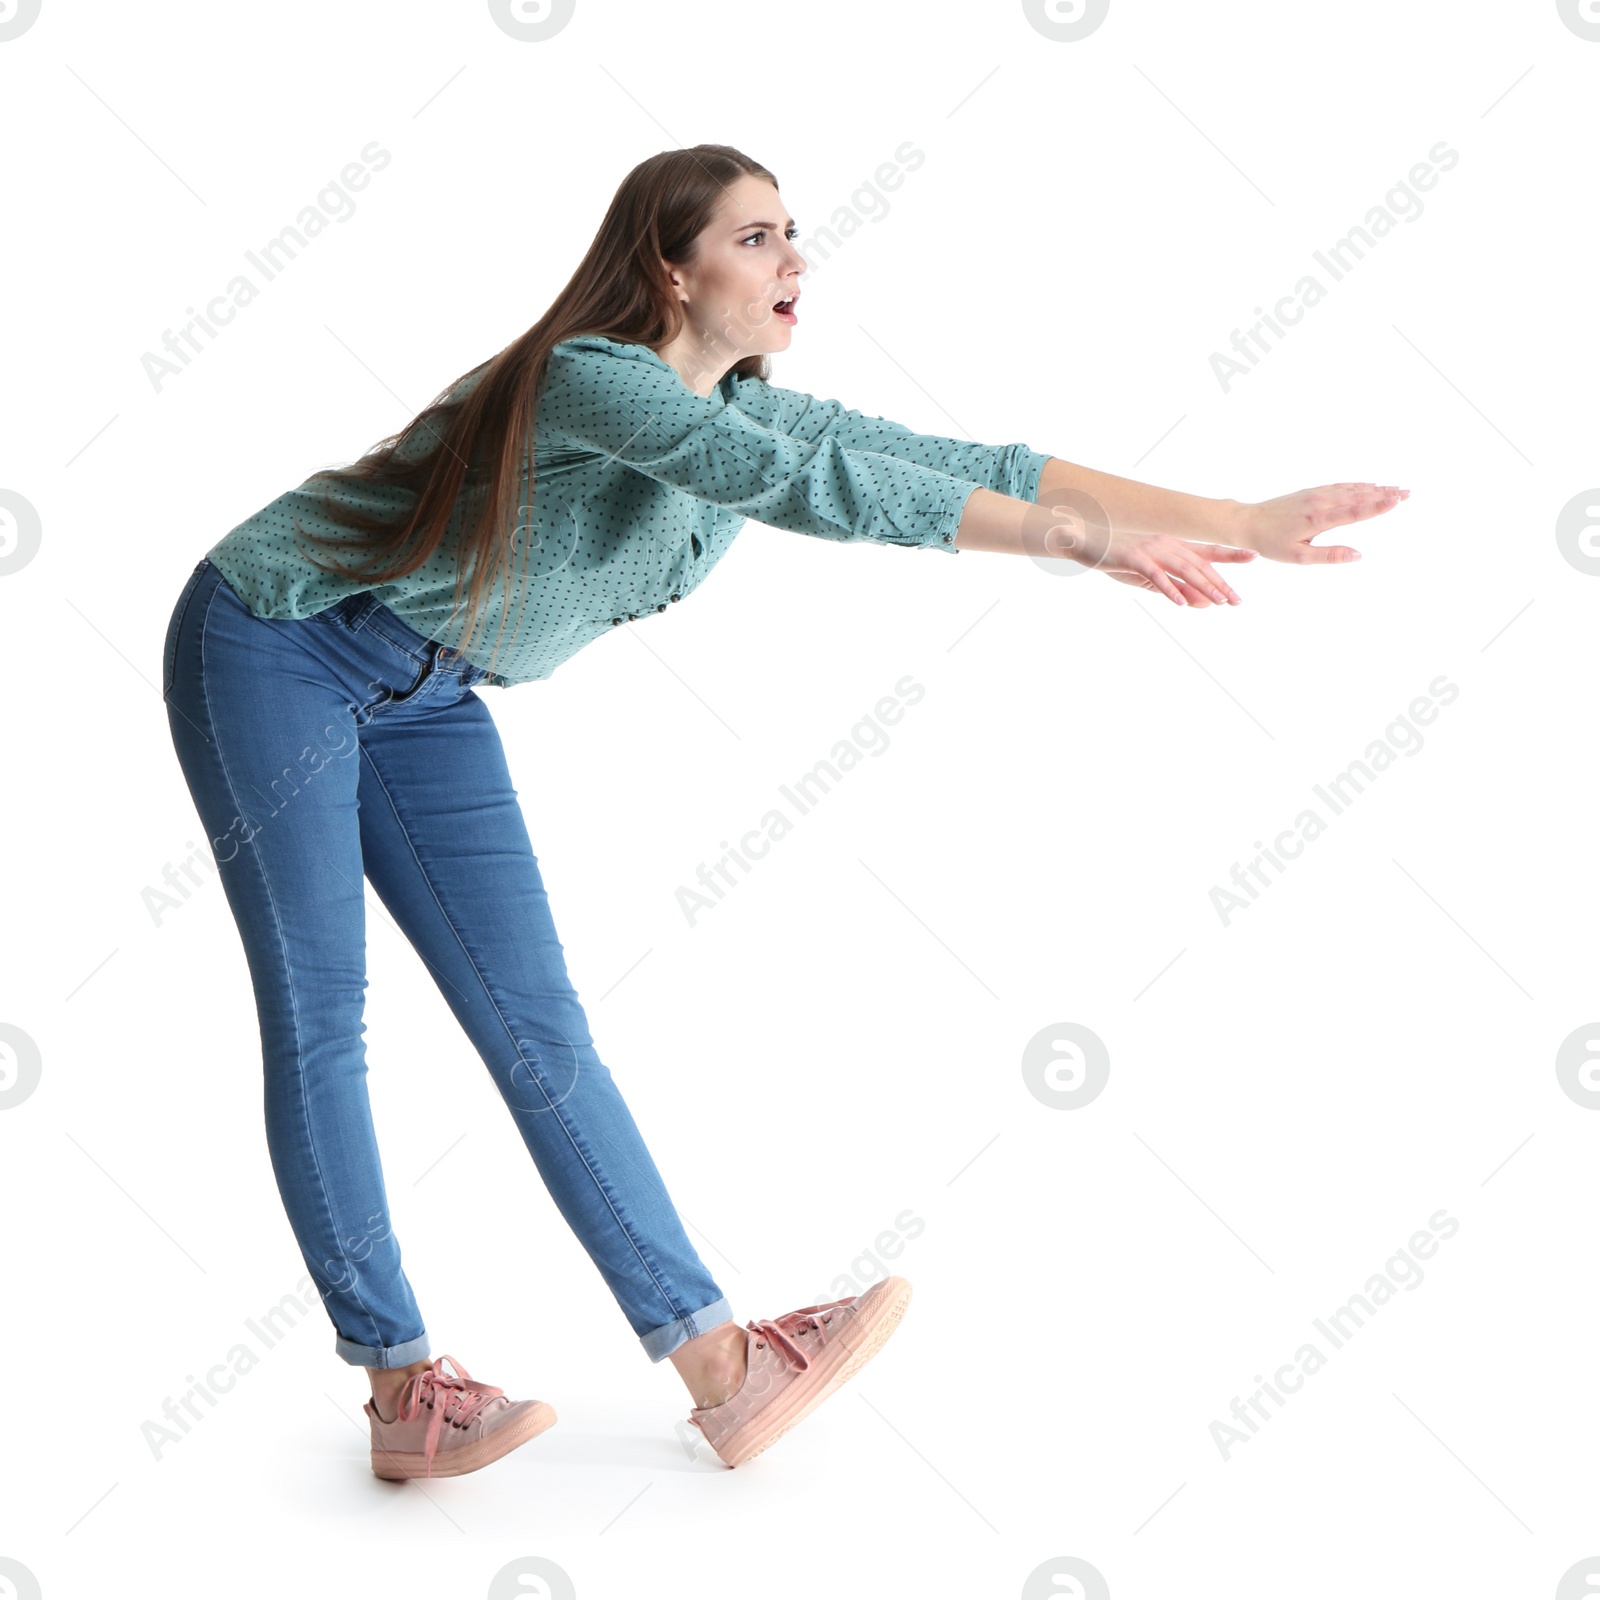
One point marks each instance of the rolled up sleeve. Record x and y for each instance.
(1010, 469)
(643, 416)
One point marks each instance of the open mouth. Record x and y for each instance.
(785, 308)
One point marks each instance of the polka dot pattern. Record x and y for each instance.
(641, 485)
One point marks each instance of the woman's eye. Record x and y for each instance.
(793, 233)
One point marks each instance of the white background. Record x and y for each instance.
(1291, 1096)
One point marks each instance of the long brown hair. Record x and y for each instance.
(620, 290)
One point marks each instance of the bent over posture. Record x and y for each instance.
(319, 676)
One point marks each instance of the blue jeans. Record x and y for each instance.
(318, 750)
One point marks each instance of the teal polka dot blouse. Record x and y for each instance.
(640, 486)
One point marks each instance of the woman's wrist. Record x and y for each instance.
(1236, 522)
(1126, 503)
(1229, 522)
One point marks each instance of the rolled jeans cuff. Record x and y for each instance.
(660, 1342)
(366, 1355)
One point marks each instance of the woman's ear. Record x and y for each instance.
(674, 280)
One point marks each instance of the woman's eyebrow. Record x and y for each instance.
(744, 225)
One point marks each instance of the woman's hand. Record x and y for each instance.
(1072, 523)
(1193, 593)
(1178, 568)
(1282, 529)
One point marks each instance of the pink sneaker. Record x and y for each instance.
(795, 1362)
(447, 1425)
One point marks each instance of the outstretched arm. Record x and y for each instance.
(1143, 508)
(1147, 524)
(1280, 529)
(1160, 539)
(1070, 525)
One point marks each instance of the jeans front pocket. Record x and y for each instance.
(338, 612)
(169, 659)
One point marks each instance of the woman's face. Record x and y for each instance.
(745, 263)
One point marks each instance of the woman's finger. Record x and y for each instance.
(1214, 585)
(1372, 502)
(1198, 576)
(1185, 560)
(1196, 597)
(1193, 596)
(1154, 572)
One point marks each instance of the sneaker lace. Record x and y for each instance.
(783, 1333)
(455, 1398)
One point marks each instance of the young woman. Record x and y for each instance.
(589, 475)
